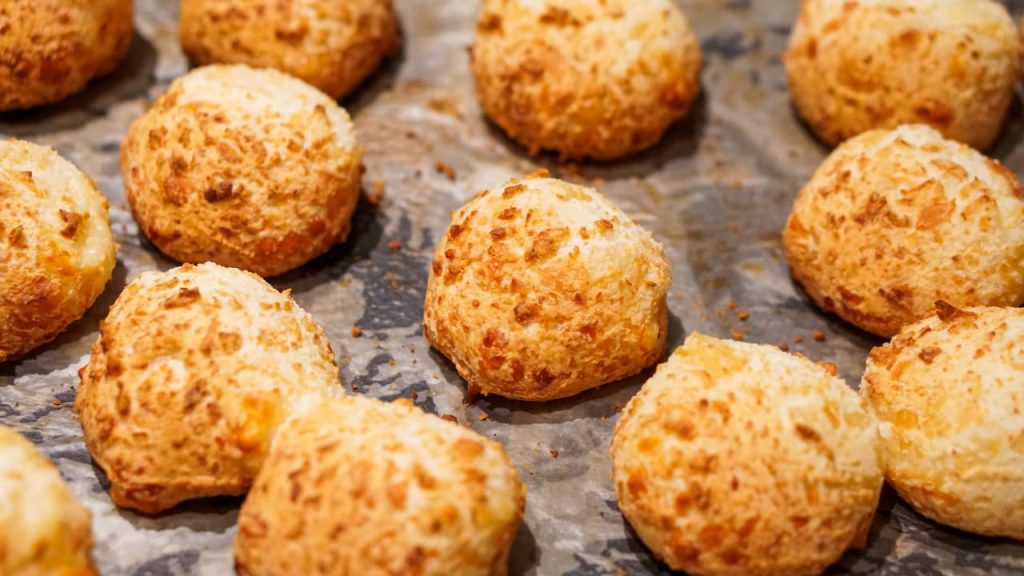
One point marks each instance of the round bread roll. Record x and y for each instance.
(50, 49)
(244, 167)
(855, 66)
(541, 289)
(950, 393)
(192, 373)
(740, 459)
(56, 248)
(586, 78)
(358, 486)
(332, 44)
(44, 530)
(894, 220)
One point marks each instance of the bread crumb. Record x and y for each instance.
(819, 336)
(376, 196)
(784, 347)
(445, 105)
(744, 314)
(737, 336)
(554, 453)
(357, 331)
(446, 169)
(395, 245)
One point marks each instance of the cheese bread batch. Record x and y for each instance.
(733, 459)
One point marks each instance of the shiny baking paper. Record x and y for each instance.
(715, 191)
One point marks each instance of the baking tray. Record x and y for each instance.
(715, 191)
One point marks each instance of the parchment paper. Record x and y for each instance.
(716, 191)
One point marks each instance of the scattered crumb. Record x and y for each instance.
(391, 362)
(376, 196)
(445, 105)
(395, 245)
(744, 314)
(737, 336)
(798, 339)
(554, 453)
(394, 285)
(414, 395)
(784, 347)
(56, 402)
(819, 336)
(482, 417)
(446, 169)
(450, 418)
(357, 331)
(599, 181)
(538, 173)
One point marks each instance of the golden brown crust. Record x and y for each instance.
(193, 371)
(855, 66)
(541, 289)
(44, 530)
(948, 391)
(361, 487)
(247, 168)
(330, 44)
(582, 77)
(894, 220)
(56, 249)
(50, 49)
(739, 459)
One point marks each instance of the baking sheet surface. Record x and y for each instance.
(715, 191)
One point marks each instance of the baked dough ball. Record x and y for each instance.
(50, 49)
(854, 66)
(740, 459)
(44, 530)
(56, 249)
(249, 168)
(541, 289)
(950, 392)
(193, 371)
(587, 78)
(894, 220)
(357, 486)
(332, 44)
